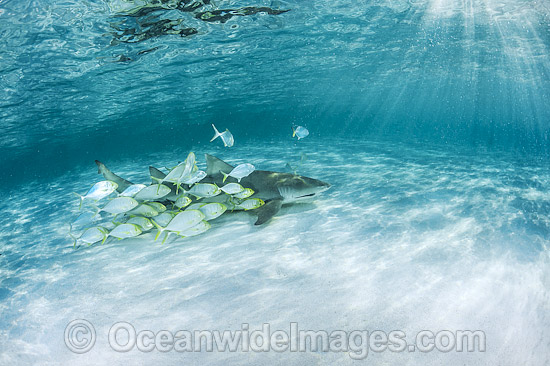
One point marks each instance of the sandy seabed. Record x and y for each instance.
(407, 238)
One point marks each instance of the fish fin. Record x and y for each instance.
(268, 210)
(215, 165)
(81, 197)
(225, 175)
(109, 175)
(294, 132)
(96, 209)
(105, 237)
(224, 143)
(74, 239)
(159, 228)
(216, 133)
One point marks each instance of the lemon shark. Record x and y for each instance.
(274, 188)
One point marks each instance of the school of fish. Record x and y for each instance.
(105, 213)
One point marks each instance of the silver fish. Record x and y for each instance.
(152, 193)
(120, 205)
(212, 210)
(300, 132)
(143, 210)
(182, 202)
(92, 235)
(144, 223)
(247, 192)
(232, 188)
(250, 204)
(124, 231)
(132, 190)
(226, 137)
(181, 222)
(159, 207)
(164, 218)
(203, 190)
(200, 228)
(98, 191)
(239, 172)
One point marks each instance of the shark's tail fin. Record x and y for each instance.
(216, 133)
(99, 166)
(109, 175)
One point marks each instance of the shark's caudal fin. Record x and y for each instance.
(109, 175)
(215, 166)
(267, 211)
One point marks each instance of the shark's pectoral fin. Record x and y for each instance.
(109, 175)
(268, 210)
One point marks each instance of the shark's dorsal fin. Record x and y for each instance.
(267, 211)
(156, 175)
(214, 165)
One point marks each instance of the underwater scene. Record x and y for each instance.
(265, 182)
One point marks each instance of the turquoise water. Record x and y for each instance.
(429, 119)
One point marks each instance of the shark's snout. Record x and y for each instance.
(323, 186)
